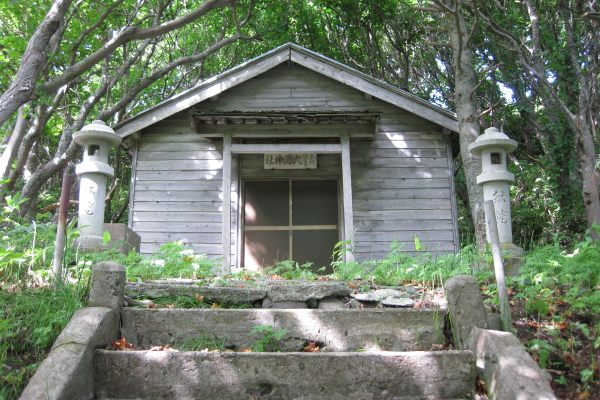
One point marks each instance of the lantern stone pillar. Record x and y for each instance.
(493, 146)
(96, 139)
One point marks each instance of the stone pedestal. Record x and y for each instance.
(97, 139)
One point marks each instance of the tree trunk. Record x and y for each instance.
(12, 147)
(468, 117)
(22, 88)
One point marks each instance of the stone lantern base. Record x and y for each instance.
(514, 258)
(122, 239)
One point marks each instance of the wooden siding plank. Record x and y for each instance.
(180, 165)
(177, 227)
(404, 236)
(178, 196)
(399, 173)
(212, 251)
(179, 175)
(180, 155)
(392, 194)
(404, 225)
(179, 206)
(360, 152)
(180, 216)
(401, 204)
(440, 162)
(286, 148)
(390, 183)
(188, 137)
(174, 147)
(188, 185)
(400, 215)
(189, 237)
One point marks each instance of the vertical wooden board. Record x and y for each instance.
(132, 184)
(226, 237)
(347, 194)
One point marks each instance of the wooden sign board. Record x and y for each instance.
(291, 161)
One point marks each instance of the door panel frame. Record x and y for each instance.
(242, 217)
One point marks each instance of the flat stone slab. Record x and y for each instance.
(303, 291)
(334, 376)
(401, 302)
(218, 294)
(379, 295)
(334, 330)
(241, 291)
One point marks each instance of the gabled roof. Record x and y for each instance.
(301, 56)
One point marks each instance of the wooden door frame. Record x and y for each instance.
(228, 150)
(242, 210)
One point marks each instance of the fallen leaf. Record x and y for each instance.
(512, 303)
(274, 276)
(229, 351)
(245, 350)
(418, 305)
(312, 348)
(534, 324)
(323, 278)
(560, 325)
(199, 298)
(350, 284)
(215, 351)
(561, 302)
(122, 344)
(170, 305)
(150, 305)
(481, 388)
(510, 291)
(215, 305)
(188, 258)
(204, 350)
(162, 348)
(568, 358)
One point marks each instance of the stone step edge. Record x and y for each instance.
(340, 375)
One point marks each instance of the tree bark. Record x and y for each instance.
(21, 90)
(468, 117)
(12, 147)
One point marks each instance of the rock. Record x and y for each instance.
(302, 291)
(378, 295)
(331, 303)
(494, 322)
(289, 304)
(355, 303)
(401, 302)
(108, 285)
(466, 307)
(267, 302)
(313, 303)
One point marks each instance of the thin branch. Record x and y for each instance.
(489, 110)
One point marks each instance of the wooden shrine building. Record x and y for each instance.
(287, 154)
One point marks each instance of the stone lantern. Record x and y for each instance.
(97, 139)
(493, 146)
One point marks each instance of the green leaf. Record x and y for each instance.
(106, 238)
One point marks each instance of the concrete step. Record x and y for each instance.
(334, 376)
(332, 330)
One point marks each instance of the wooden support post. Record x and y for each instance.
(61, 229)
(347, 194)
(226, 238)
(490, 217)
(132, 184)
